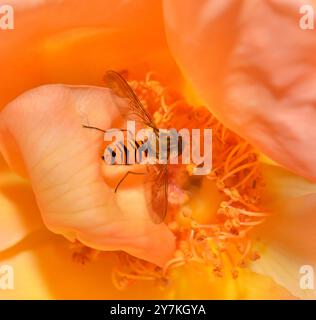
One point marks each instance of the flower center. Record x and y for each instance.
(224, 245)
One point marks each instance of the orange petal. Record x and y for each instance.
(75, 43)
(287, 238)
(63, 161)
(254, 67)
(19, 213)
(196, 282)
(46, 270)
(53, 274)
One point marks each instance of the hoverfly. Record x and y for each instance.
(157, 174)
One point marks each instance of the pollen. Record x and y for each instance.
(225, 245)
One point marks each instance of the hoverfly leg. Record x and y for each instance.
(95, 128)
(125, 176)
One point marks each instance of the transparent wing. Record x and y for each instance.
(156, 183)
(134, 110)
(156, 189)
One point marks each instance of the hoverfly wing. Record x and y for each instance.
(134, 110)
(156, 183)
(156, 190)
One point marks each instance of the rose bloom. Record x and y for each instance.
(245, 69)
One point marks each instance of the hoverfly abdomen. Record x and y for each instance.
(136, 151)
(127, 153)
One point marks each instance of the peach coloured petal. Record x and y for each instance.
(19, 214)
(53, 274)
(75, 43)
(287, 238)
(282, 184)
(284, 268)
(52, 43)
(47, 271)
(255, 68)
(287, 242)
(198, 283)
(42, 136)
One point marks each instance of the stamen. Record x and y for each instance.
(244, 180)
(243, 167)
(251, 223)
(252, 214)
(231, 154)
(134, 276)
(243, 157)
(167, 266)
